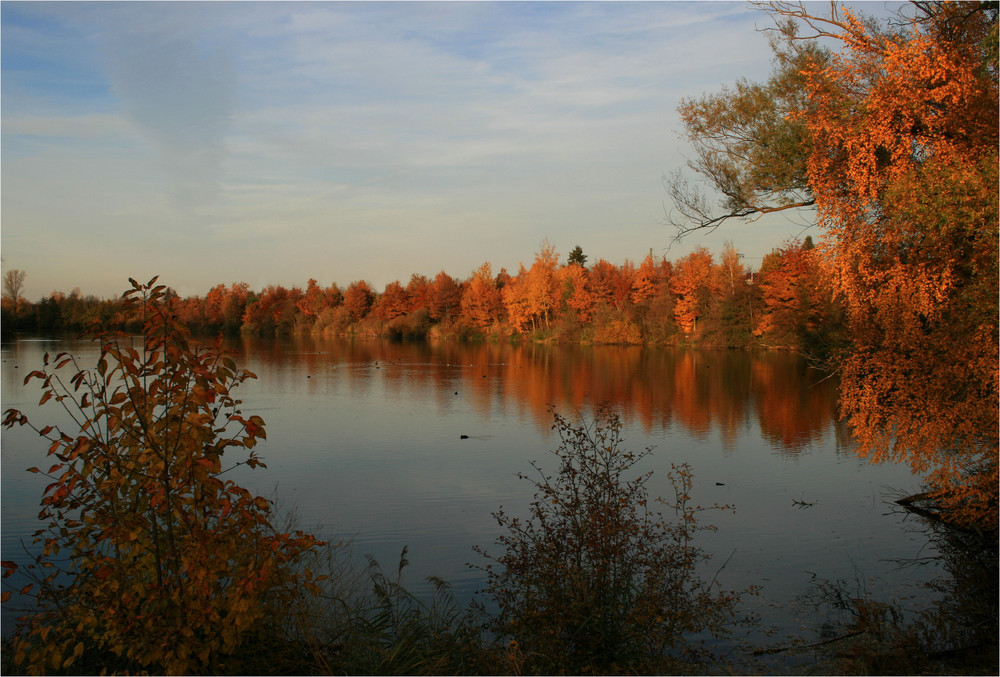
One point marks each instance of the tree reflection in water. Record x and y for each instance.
(703, 391)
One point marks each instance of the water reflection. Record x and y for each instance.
(365, 441)
(703, 392)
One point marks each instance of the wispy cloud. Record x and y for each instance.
(182, 97)
(348, 140)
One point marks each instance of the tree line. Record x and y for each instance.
(696, 299)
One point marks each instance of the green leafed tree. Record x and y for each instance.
(577, 257)
(749, 148)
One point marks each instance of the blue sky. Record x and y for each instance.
(274, 142)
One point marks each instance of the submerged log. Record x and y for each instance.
(910, 504)
(804, 647)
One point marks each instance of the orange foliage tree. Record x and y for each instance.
(576, 290)
(358, 299)
(311, 304)
(621, 284)
(692, 283)
(274, 311)
(444, 297)
(481, 303)
(602, 275)
(794, 292)
(515, 301)
(418, 289)
(393, 302)
(150, 560)
(543, 289)
(644, 283)
(535, 293)
(904, 130)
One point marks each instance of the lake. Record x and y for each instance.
(415, 444)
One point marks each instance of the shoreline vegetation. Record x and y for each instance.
(695, 300)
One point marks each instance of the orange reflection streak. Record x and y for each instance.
(794, 404)
(703, 392)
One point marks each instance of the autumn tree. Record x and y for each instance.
(213, 306)
(515, 300)
(795, 295)
(543, 290)
(620, 283)
(644, 282)
(602, 277)
(535, 293)
(418, 289)
(903, 123)
(150, 559)
(234, 305)
(444, 298)
(189, 311)
(692, 285)
(333, 297)
(274, 312)
(576, 293)
(481, 302)
(894, 140)
(312, 302)
(358, 299)
(503, 277)
(393, 302)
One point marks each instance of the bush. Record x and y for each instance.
(596, 580)
(332, 321)
(617, 332)
(410, 327)
(149, 560)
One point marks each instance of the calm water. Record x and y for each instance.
(364, 441)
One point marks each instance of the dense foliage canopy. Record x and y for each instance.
(892, 135)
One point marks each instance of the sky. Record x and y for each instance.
(271, 143)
